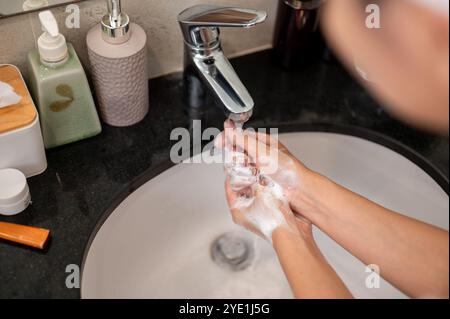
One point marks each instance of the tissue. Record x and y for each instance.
(7, 95)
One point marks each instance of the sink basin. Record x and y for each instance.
(173, 237)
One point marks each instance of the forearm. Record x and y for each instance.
(307, 271)
(410, 254)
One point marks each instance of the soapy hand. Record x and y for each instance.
(259, 207)
(271, 158)
(260, 179)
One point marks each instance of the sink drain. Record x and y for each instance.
(232, 251)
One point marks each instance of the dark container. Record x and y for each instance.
(298, 39)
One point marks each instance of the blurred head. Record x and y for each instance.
(406, 59)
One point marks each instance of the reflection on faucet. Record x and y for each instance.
(205, 62)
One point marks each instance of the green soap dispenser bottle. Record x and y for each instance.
(60, 88)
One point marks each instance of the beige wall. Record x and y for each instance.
(158, 17)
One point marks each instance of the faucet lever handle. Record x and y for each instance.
(199, 23)
(215, 16)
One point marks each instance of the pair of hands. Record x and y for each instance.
(263, 181)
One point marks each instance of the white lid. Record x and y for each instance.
(14, 191)
(51, 44)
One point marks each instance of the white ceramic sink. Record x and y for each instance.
(157, 243)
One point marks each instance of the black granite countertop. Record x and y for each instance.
(83, 179)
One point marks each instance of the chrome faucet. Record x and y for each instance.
(205, 62)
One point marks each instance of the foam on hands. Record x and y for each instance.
(258, 195)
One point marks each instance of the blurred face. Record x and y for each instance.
(406, 59)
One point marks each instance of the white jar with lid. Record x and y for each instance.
(14, 192)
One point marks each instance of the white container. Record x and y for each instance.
(14, 192)
(21, 148)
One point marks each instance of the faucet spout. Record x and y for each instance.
(217, 73)
(203, 54)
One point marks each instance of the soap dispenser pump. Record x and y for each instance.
(117, 51)
(60, 88)
(52, 45)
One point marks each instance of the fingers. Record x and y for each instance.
(261, 150)
(230, 194)
(302, 220)
(239, 170)
(243, 141)
(264, 138)
(242, 179)
(233, 159)
(229, 124)
(238, 200)
(220, 141)
(230, 127)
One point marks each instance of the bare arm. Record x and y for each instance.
(307, 271)
(411, 255)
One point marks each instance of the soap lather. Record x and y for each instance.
(60, 88)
